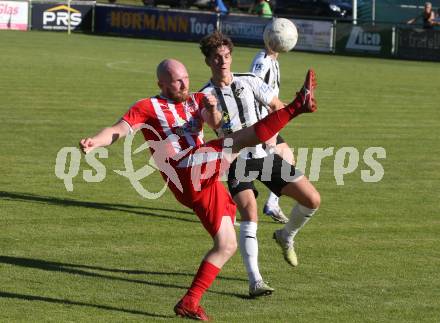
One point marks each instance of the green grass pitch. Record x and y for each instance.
(104, 254)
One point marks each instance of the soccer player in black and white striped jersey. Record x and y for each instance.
(238, 97)
(265, 65)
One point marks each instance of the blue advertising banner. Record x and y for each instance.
(154, 23)
(56, 16)
(244, 29)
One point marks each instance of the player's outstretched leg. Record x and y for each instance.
(268, 127)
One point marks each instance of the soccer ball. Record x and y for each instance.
(280, 35)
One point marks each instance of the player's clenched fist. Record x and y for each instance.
(86, 145)
(209, 102)
(210, 114)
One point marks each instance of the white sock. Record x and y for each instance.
(272, 199)
(249, 250)
(299, 216)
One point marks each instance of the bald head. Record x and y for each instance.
(167, 67)
(173, 79)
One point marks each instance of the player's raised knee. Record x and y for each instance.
(313, 200)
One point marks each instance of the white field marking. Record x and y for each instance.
(87, 58)
(120, 66)
(113, 65)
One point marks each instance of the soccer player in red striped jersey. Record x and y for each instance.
(172, 124)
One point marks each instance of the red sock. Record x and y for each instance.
(205, 276)
(274, 122)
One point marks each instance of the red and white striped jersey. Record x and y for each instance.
(179, 125)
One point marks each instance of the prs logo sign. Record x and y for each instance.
(59, 17)
(364, 41)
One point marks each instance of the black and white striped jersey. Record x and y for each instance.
(268, 69)
(240, 104)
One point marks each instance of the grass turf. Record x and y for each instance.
(102, 253)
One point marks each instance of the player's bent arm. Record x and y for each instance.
(213, 119)
(210, 114)
(105, 137)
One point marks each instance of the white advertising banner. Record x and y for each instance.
(314, 35)
(14, 15)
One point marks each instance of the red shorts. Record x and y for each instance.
(214, 203)
(199, 174)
